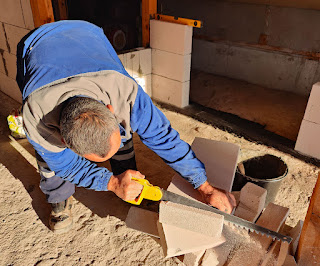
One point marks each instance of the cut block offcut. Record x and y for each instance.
(176, 241)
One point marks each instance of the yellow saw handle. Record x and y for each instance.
(149, 192)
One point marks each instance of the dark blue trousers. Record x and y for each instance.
(57, 190)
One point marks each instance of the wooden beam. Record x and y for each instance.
(63, 9)
(306, 4)
(308, 252)
(42, 12)
(148, 9)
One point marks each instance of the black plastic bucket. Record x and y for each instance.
(266, 171)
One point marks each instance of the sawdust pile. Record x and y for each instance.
(99, 236)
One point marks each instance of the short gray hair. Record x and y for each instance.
(86, 126)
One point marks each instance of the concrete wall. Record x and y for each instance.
(272, 46)
(16, 20)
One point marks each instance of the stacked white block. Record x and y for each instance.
(138, 65)
(308, 138)
(171, 45)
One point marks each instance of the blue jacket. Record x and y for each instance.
(85, 49)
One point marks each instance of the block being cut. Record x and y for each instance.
(220, 159)
(182, 187)
(143, 220)
(176, 241)
(192, 219)
(145, 83)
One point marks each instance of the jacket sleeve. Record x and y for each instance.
(70, 166)
(156, 132)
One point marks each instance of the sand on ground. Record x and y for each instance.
(99, 235)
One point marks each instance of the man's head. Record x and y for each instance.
(90, 129)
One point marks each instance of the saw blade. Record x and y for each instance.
(252, 227)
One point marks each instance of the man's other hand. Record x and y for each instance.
(124, 187)
(222, 200)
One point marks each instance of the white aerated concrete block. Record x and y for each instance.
(220, 159)
(145, 61)
(121, 57)
(253, 197)
(312, 113)
(217, 256)
(171, 37)
(170, 65)
(182, 187)
(145, 83)
(170, 91)
(143, 220)
(308, 139)
(137, 63)
(133, 61)
(209, 259)
(192, 219)
(176, 241)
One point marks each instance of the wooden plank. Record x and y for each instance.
(308, 252)
(63, 9)
(148, 9)
(42, 12)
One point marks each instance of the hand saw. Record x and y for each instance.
(155, 193)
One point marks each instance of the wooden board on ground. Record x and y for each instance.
(308, 252)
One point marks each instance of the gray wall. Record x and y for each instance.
(276, 47)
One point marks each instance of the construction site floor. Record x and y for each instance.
(99, 235)
(280, 112)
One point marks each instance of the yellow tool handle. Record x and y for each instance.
(149, 192)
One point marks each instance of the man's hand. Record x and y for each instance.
(218, 198)
(124, 187)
